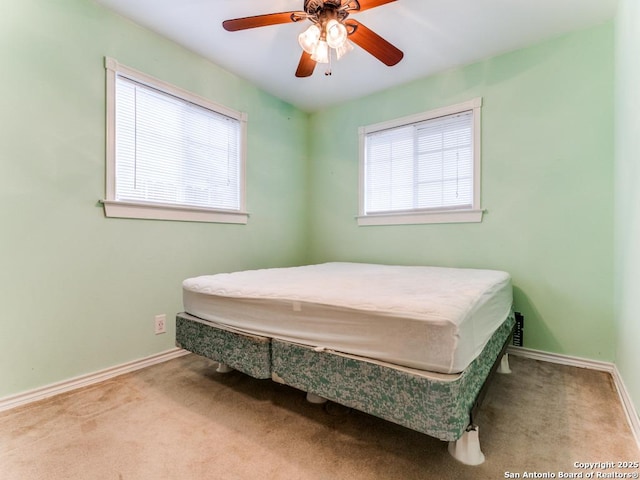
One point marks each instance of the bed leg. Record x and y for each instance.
(313, 398)
(504, 364)
(467, 448)
(223, 368)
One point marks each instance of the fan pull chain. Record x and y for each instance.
(328, 71)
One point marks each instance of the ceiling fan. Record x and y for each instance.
(330, 29)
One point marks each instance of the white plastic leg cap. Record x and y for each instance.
(224, 368)
(313, 398)
(504, 364)
(467, 448)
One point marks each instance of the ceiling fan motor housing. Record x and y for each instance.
(313, 7)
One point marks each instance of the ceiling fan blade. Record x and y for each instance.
(373, 43)
(244, 23)
(367, 4)
(306, 65)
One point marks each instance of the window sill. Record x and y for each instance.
(415, 218)
(149, 211)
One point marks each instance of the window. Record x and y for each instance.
(171, 154)
(422, 169)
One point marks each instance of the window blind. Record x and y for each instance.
(171, 151)
(422, 166)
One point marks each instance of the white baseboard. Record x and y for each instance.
(89, 379)
(561, 359)
(627, 405)
(611, 368)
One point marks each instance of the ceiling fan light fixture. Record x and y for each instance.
(336, 33)
(309, 39)
(321, 53)
(343, 49)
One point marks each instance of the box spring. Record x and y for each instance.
(250, 354)
(436, 404)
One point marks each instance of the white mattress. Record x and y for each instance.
(428, 318)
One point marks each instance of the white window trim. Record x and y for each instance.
(158, 211)
(471, 215)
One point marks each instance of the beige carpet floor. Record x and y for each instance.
(182, 420)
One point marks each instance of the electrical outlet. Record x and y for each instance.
(161, 324)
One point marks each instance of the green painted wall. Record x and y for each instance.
(79, 291)
(547, 183)
(628, 195)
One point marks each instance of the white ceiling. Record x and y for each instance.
(434, 35)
